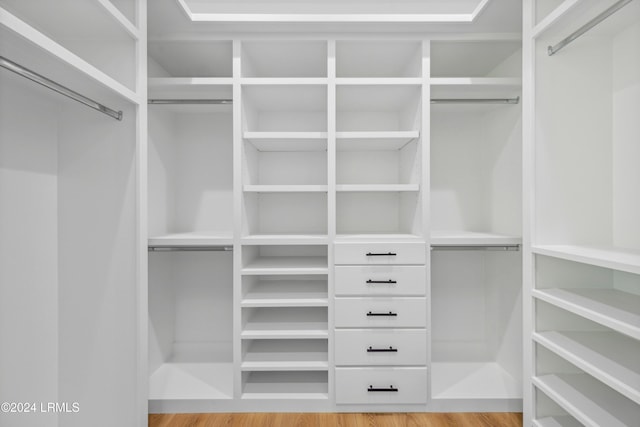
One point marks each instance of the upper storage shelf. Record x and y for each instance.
(378, 59)
(177, 58)
(481, 58)
(94, 30)
(271, 59)
(25, 45)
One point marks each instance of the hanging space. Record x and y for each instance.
(190, 225)
(69, 251)
(586, 243)
(475, 225)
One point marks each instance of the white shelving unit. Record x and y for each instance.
(582, 274)
(69, 225)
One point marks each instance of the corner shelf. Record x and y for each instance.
(186, 381)
(615, 309)
(590, 402)
(600, 354)
(613, 258)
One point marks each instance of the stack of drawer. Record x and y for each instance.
(380, 321)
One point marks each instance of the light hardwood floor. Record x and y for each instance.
(509, 419)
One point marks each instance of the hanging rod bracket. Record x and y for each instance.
(552, 50)
(62, 90)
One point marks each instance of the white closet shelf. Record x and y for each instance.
(193, 239)
(470, 238)
(288, 141)
(287, 293)
(285, 239)
(375, 141)
(589, 401)
(284, 362)
(475, 87)
(289, 385)
(182, 381)
(600, 354)
(386, 237)
(284, 330)
(473, 381)
(32, 49)
(285, 188)
(378, 81)
(283, 81)
(557, 421)
(100, 19)
(362, 188)
(286, 265)
(613, 258)
(614, 309)
(196, 83)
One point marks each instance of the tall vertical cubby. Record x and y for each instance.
(475, 196)
(191, 224)
(582, 267)
(70, 253)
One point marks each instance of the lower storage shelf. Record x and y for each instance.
(561, 421)
(285, 355)
(592, 403)
(473, 381)
(177, 381)
(285, 385)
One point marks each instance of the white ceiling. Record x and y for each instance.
(202, 18)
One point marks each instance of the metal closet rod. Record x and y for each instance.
(63, 90)
(190, 101)
(515, 100)
(501, 248)
(190, 248)
(552, 50)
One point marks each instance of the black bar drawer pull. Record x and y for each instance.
(392, 282)
(381, 254)
(389, 314)
(382, 350)
(391, 388)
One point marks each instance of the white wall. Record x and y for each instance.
(28, 250)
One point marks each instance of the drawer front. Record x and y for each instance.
(380, 253)
(381, 280)
(381, 385)
(382, 347)
(381, 312)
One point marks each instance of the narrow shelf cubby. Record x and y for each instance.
(188, 59)
(378, 59)
(284, 323)
(285, 385)
(190, 172)
(190, 332)
(284, 59)
(263, 260)
(284, 291)
(476, 58)
(285, 355)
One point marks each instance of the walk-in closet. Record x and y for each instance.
(257, 206)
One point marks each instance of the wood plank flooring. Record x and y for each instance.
(503, 419)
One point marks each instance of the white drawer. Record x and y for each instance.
(381, 385)
(381, 347)
(381, 312)
(381, 280)
(380, 253)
